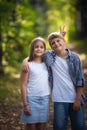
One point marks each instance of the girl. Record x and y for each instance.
(35, 89)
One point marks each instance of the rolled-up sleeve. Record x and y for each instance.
(79, 74)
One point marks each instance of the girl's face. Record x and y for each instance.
(57, 44)
(39, 49)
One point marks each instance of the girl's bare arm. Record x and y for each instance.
(23, 88)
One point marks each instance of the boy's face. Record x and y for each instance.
(57, 44)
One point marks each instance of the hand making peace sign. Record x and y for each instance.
(62, 30)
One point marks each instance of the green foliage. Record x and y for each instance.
(10, 85)
(21, 22)
(6, 9)
(60, 13)
(3, 93)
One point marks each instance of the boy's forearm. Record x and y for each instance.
(77, 103)
(25, 66)
(79, 92)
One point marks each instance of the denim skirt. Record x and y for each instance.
(39, 108)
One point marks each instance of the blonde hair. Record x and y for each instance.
(53, 35)
(33, 43)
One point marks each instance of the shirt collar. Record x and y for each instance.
(69, 52)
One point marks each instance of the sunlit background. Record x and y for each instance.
(23, 20)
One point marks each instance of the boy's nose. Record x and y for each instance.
(56, 43)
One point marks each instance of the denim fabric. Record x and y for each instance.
(75, 68)
(61, 113)
(74, 64)
(39, 108)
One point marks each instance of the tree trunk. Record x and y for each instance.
(1, 54)
(82, 18)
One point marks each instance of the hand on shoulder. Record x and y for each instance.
(25, 66)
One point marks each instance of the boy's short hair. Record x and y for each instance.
(53, 35)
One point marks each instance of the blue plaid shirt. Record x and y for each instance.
(75, 68)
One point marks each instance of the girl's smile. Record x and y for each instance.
(39, 49)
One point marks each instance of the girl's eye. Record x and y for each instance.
(41, 47)
(36, 46)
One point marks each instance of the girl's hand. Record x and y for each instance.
(27, 110)
(62, 30)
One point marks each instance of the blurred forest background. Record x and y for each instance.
(20, 22)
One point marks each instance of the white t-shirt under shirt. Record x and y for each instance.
(38, 80)
(63, 88)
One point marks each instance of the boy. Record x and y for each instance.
(67, 80)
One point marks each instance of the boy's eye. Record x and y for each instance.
(52, 43)
(58, 40)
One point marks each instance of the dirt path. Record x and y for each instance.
(9, 115)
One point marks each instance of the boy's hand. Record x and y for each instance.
(76, 105)
(25, 66)
(62, 31)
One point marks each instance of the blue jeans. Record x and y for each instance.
(64, 110)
